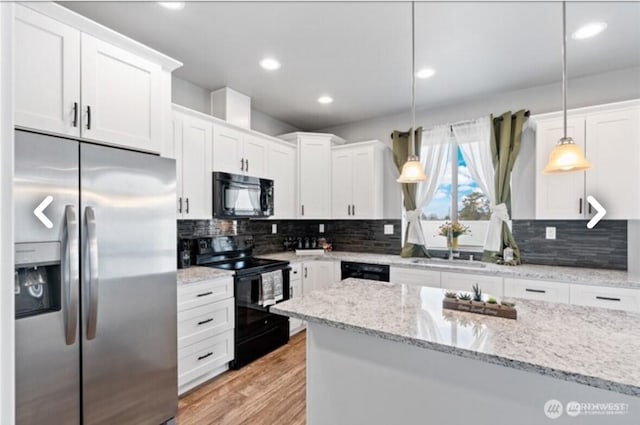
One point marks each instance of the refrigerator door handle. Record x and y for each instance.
(92, 247)
(71, 257)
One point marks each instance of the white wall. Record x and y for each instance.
(597, 89)
(6, 216)
(197, 98)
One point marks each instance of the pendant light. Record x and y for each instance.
(412, 170)
(566, 155)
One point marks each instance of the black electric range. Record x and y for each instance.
(257, 330)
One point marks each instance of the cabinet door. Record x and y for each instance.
(367, 185)
(308, 277)
(412, 276)
(281, 164)
(561, 195)
(47, 73)
(196, 168)
(613, 148)
(227, 150)
(342, 186)
(325, 274)
(315, 178)
(177, 132)
(121, 97)
(255, 156)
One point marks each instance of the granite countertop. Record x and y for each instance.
(604, 277)
(198, 273)
(590, 346)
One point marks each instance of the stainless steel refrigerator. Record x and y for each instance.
(95, 284)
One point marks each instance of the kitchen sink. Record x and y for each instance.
(434, 262)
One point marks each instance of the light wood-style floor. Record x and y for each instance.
(269, 391)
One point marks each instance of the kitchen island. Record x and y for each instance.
(383, 353)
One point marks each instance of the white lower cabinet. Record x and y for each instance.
(206, 321)
(319, 274)
(295, 291)
(420, 277)
(541, 290)
(490, 285)
(601, 296)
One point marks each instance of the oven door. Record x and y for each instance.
(251, 317)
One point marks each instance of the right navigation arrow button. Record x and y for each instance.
(600, 212)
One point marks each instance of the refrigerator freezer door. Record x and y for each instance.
(129, 354)
(47, 359)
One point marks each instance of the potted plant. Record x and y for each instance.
(457, 229)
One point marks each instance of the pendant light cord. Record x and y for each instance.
(564, 66)
(412, 151)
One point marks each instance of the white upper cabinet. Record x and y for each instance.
(558, 195)
(238, 152)
(613, 148)
(357, 186)
(314, 173)
(192, 150)
(80, 79)
(281, 166)
(120, 97)
(47, 73)
(610, 137)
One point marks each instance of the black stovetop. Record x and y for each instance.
(246, 263)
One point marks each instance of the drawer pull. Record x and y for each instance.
(204, 294)
(209, 354)
(607, 298)
(205, 321)
(537, 291)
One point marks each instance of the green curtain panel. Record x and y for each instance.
(400, 155)
(506, 137)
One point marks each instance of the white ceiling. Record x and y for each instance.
(359, 52)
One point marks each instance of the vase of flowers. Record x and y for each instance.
(456, 229)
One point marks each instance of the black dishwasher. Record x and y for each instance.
(365, 271)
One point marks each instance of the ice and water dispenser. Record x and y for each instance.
(37, 278)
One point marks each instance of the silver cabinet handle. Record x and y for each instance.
(348, 209)
(353, 210)
(302, 208)
(88, 117)
(73, 266)
(94, 281)
(537, 291)
(305, 272)
(242, 164)
(580, 207)
(180, 205)
(246, 161)
(75, 114)
(607, 298)
(187, 210)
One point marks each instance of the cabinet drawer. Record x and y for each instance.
(600, 296)
(537, 290)
(208, 320)
(490, 285)
(414, 277)
(205, 356)
(192, 295)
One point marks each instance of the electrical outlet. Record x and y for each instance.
(274, 228)
(388, 229)
(550, 232)
(321, 228)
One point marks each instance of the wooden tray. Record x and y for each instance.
(480, 307)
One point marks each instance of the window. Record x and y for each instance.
(459, 199)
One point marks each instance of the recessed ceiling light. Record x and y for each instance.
(589, 30)
(426, 73)
(325, 100)
(172, 5)
(270, 64)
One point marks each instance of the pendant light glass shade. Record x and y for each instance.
(566, 156)
(412, 171)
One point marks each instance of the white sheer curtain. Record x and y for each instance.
(434, 155)
(474, 140)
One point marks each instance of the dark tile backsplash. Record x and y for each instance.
(345, 235)
(604, 246)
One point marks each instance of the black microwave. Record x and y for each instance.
(236, 195)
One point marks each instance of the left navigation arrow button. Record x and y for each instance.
(39, 212)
